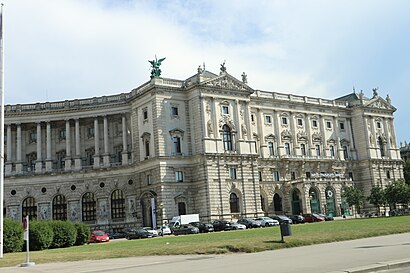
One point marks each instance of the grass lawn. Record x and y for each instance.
(252, 240)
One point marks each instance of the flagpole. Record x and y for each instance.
(1, 133)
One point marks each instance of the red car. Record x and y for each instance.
(313, 217)
(98, 236)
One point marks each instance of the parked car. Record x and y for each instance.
(137, 233)
(153, 232)
(282, 218)
(267, 221)
(98, 236)
(313, 217)
(203, 227)
(221, 225)
(297, 219)
(185, 229)
(163, 230)
(327, 217)
(117, 234)
(237, 226)
(249, 223)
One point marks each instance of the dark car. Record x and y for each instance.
(203, 227)
(137, 233)
(297, 219)
(117, 234)
(249, 223)
(282, 218)
(327, 217)
(313, 217)
(185, 229)
(221, 225)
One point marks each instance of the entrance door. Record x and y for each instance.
(330, 202)
(296, 204)
(314, 201)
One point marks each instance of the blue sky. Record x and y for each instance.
(67, 49)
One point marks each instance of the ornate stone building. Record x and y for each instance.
(209, 144)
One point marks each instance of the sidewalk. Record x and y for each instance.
(357, 256)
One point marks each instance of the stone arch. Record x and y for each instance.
(296, 199)
(314, 197)
(330, 206)
(148, 208)
(278, 203)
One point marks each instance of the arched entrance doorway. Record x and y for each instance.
(314, 200)
(296, 202)
(148, 207)
(330, 202)
(277, 204)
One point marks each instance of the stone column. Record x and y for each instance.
(388, 136)
(294, 134)
(124, 141)
(19, 163)
(77, 159)
(322, 124)
(9, 163)
(309, 135)
(39, 160)
(337, 138)
(49, 161)
(96, 144)
(276, 123)
(67, 165)
(106, 155)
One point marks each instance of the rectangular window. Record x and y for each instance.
(388, 174)
(317, 149)
(287, 148)
(33, 136)
(308, 175)
(268, 119)
(252, 117)
(260, 175)
(300, 122)
(61, 134)
(284, 121)
(176, 145)
(332, 151)
(145, 114)
(179, 176)
(342, 126)
(148, 179)
(271, 150)
(351, 175)
(275, 175)
(232, 173)
(293, 176)
(174, 111)
(314, 123)
(225, 110)
(90, 132)
(345, 153)
(146, 149)
(328, 125)
(303, 149)
(379, 125)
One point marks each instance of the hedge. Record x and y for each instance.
(65, 234)
(12, 236)
(41, 235)
(83, 233)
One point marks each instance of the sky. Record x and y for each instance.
(71, 49)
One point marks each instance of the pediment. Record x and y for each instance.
(226, 81)
(379, 103)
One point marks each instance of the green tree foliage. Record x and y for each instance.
(83, 233)
(354, 197)
(406, 170)
(12, 236)
(397, 192)
(377, 198)
(41, 235)
(65, 234)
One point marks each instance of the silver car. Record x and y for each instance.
(267, 221)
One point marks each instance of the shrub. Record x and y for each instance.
(12, 236)
(41, 235)
(65, 234)
(83, 233)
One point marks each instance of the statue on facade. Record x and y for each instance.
(388, 99)
(155, 64)
(244, 78)
(223, 68)
(375, 93)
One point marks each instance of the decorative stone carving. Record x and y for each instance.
(316, 137)
(226, 82)
(209, 126)
(226, 119)
(286, 135)
(244, 130)
(302, 136)
(244, 78)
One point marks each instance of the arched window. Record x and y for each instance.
(29, 208)
(117, 205)
(59, 207)
(303, 149)
(88, 207)
(234, 203)
(277, 202)
(227, 138)
(181, 208)
(381, 146)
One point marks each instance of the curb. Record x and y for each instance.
(377, 267)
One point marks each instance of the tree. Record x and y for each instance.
(354, 197)
(397, 192)
(377, 198)
(406, 171)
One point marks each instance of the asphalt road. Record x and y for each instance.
(348, 256)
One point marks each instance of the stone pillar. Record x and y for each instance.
(19, 163)
(106, 155)
(39, 160)
(294, 134)
(96, 144)
(77, 159)
(124, 141)
(322, 124)
(388, 137)
(309, 135)
(277, 121)
(67, 165)
(337, 138)
(49, 161)
(9, 163)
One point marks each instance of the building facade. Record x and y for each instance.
(209, 144)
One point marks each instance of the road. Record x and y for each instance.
(332, 257)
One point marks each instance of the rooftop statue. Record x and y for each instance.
(223, 68)
(155, 71)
